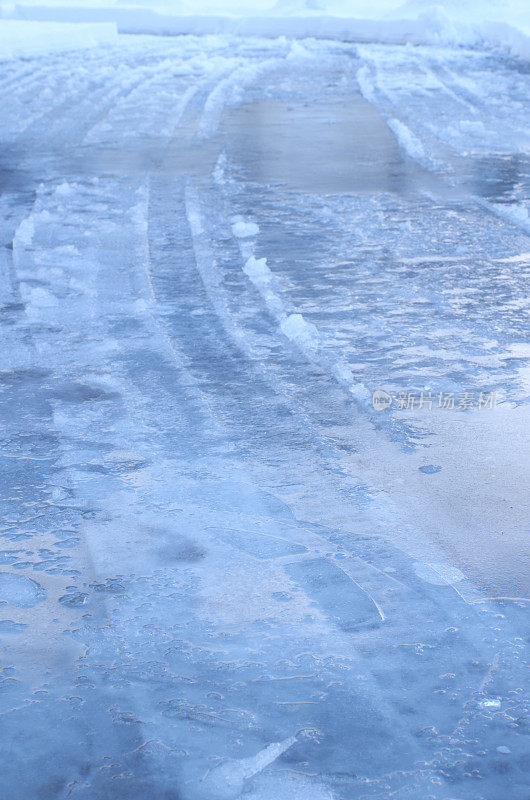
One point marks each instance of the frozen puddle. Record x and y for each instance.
(343, 600)
(19, 591)
(334, 146)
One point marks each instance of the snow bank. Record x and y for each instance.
(497, 23)
(23, 39)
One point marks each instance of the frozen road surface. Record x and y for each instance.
(223, 572)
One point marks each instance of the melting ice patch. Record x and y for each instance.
(227, 782)
(19, 591)
(7, 626)
(39, 297)
(438, 574)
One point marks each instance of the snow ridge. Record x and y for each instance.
(303, 334)
(229, 90)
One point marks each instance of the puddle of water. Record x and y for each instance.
(182, 155)
(13, 178)
(180, 158)
(339, 145)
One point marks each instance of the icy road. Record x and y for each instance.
(263, 393)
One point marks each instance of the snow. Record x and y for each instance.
(24, 233)
(494, 23)
(257, 270)
(303, 333)
(245, 230)
(21, 39)
(515, 212)
(410, 143)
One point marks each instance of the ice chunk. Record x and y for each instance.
(299, 51)
(359, 392)
(515, 212)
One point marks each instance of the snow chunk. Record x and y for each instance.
(490, 702)
(360, 392)
(514, 213)
(25, 232)
(257, 270)
(298, 330)
(366, 84)
(64, 189)
(244, 230)
(299, 51)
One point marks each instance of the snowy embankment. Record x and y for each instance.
(23, 39)
(505, 26)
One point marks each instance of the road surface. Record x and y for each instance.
(224, 571)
